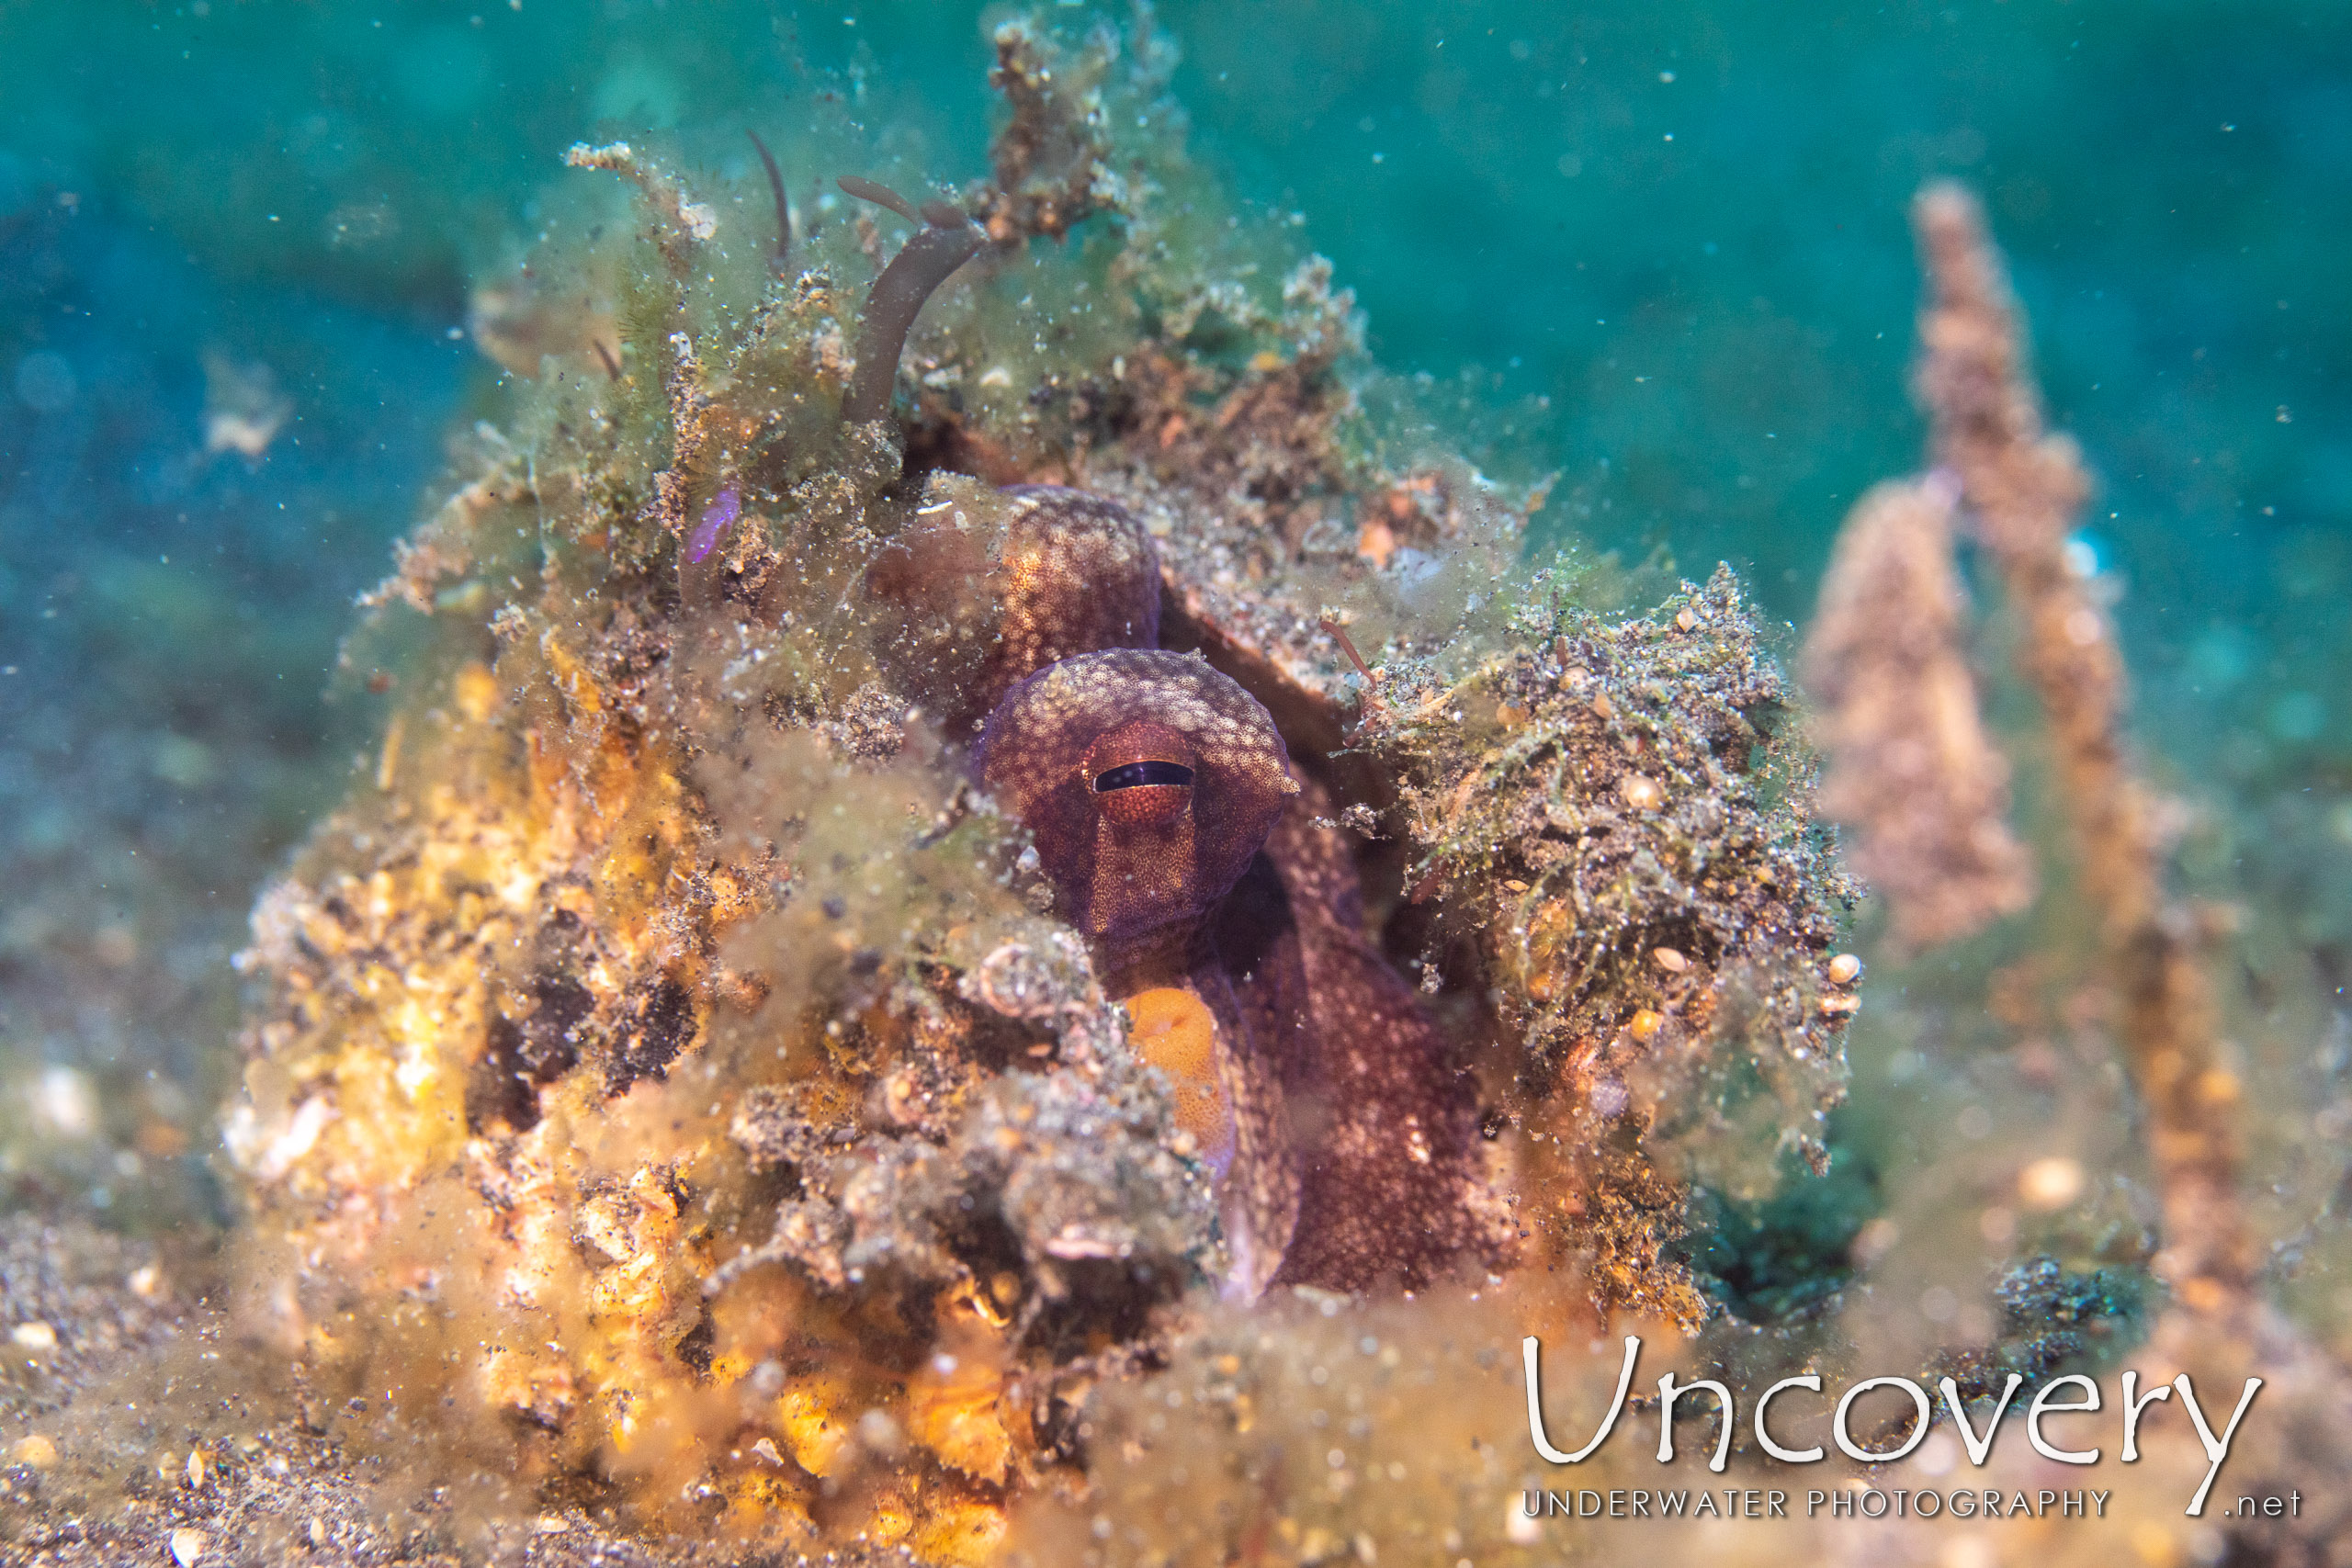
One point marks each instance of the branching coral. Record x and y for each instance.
(2024, 489)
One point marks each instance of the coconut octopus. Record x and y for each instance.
(1219, 902)
(664, 1048)
(1163, 805)
(666, 1069)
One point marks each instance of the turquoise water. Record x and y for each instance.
(1660, 249)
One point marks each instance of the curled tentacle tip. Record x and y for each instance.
(930, 254)
(879, 194)
(783, 209)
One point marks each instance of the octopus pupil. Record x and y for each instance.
(1131, 775)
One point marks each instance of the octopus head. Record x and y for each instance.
(1147, 780)
(1031, 575)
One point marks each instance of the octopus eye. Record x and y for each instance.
(1135, 775)
(1140, 774)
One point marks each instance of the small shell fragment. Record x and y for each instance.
(187, 1547)
(1669, 959)
(1686, 618)
(1641, 792)
(1845, 969)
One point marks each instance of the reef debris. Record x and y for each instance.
(702, 1068)
(1609, 818)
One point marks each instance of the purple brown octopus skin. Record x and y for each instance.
(1184, 845)
(983, 604)
(1148, 783)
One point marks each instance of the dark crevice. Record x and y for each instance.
(657, 1023)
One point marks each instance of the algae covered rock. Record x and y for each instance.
(683, 1075)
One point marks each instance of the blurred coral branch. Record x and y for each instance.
(2023, 488)
(1911, 770)
(1911, 766)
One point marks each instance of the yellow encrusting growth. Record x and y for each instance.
(1173, 1031)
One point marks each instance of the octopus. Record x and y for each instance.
(864, 923)
(1163, 804)
(1218, 903)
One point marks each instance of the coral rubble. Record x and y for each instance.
(717, 1064)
